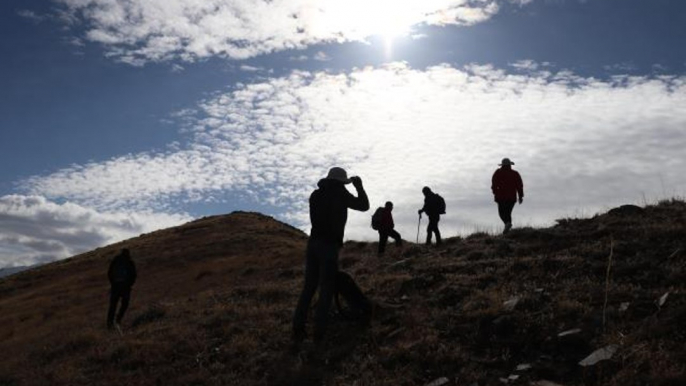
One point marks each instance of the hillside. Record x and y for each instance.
(214, 301)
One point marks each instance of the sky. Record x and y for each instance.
(120, 117)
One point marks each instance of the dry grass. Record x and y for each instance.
(215, 297)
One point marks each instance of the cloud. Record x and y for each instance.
(321, 56)
(140, 31)
(30, 15)
(581, 144)
(35, 230)
(247, 68)
(299, 58)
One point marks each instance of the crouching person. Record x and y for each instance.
(329, 206)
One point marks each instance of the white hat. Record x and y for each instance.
(338, 174)
(506, 161)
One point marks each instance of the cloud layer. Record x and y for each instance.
(140, 31)
(34, 230)
(581, 144)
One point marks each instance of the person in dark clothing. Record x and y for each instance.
(506, 184)
(328, 214)
(432, 208)
(386, 228)
(122, 276)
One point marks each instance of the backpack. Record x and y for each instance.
(376, 218)
(440, 204)
(359, 307)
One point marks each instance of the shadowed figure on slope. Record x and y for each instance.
(328, 214)
(122, 276)
(382, 221)
(506, 185)
(434, 207)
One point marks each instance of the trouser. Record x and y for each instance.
(505, 211)
(118, 291)
(383, 239)
(433, 228)
(321, 267)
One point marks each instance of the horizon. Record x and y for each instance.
(124, 117)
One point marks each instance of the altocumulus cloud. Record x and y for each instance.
(581, 144)
(34, 230)
(139, 31)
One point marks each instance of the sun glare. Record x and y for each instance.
(388, 19)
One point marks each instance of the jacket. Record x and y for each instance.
(122, 271)
(506, 184)
(387, 223)
(329, 209)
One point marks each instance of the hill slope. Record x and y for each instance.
(214, 301)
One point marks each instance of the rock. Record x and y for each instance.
(569, 332)
(510, 305)
(599, 355)
(439, 382)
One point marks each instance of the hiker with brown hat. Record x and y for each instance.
(329, 206)
(506, 185)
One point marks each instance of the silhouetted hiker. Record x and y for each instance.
(382, 221)
(122, 276)
(328, 214)
(506, 184)
(434, 207)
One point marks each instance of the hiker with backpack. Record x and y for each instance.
(434, 207)
(122, 275)
(382, 221)
(329, 206)
(506, 184)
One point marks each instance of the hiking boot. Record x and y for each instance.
(508, 226)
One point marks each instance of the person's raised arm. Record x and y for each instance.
(361, 202)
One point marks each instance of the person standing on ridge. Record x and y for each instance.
(506, 184)
(122, 275)
(386, 227)
(329, 206)
(434, 207)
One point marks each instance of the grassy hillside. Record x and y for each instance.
(214, 301)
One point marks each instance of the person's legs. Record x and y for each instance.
(502, 212)
(396, 236)
(114, 298)
(125, 297)
(383, 239)
(505, 212)
(433, 227)
(328, 269)
(309, 288)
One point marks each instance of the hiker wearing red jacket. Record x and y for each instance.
(506, 184)
(386, 228)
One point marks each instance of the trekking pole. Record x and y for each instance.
(418, 225)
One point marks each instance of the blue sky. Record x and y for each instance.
(121, 117)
